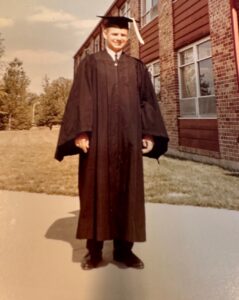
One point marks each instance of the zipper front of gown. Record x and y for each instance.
(113, 143)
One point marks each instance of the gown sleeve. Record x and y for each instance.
(152, 120)
(77, 117)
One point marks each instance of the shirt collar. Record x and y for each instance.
(112, 53)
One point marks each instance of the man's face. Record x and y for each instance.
(116, 38)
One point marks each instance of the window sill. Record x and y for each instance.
(198, 118)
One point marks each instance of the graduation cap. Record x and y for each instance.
(122, 23)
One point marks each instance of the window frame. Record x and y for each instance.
(91, 47)
(97, 43)
(144, 13)
(154, 75)
(126, 12)
(196, 61)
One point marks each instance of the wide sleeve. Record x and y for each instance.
(78, 113)
(152, 120)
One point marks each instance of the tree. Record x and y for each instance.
(1, 46)
(3, 115)
(53, 101)
(2, 93)
(14, 101)
(2, 51)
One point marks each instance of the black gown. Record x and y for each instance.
(116, 106)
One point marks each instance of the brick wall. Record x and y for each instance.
(135, 13)
(225, 78)
(168, 71)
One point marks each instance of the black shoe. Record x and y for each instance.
(91, 261)
(129, 259)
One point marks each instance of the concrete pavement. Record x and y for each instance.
(191, 253)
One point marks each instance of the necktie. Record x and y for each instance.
(116, 60)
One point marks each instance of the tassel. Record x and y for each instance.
(137, 31)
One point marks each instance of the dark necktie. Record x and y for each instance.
(116, 60)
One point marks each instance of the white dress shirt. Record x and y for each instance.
(112, 53)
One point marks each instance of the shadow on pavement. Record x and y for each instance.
(234, 174)
(64, 230)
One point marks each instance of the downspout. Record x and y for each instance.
(235, 29)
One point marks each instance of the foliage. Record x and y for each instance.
(13, 98)
(20, 109)
(2, 93)
(1, 46)
(2, 51)
(53, 101)
(15, 79)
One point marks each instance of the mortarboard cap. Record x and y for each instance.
(123, 23)
(116, 21)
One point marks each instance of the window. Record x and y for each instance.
(149, 10)
(97, 44)
(154, 71)
(125, 9)
(86, 52)
(103, 43)
(196, 85)
(91, 47)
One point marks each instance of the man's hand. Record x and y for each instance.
(148, 144)
(83, 142)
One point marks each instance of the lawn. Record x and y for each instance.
(27, 164)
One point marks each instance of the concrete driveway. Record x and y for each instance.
(191, 254)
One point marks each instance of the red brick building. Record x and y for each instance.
(192, 52)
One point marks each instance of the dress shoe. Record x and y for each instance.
(91, 261)
(129, 259)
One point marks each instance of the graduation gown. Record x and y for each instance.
(116, 106)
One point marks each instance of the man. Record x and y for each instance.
(111, 117)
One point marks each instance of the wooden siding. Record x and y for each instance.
(236, 4)
(201, 134)
(190, 21)
(150, 50)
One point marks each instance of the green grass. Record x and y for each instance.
(185, 182)
(27, 164)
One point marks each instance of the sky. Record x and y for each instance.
(45, 34)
